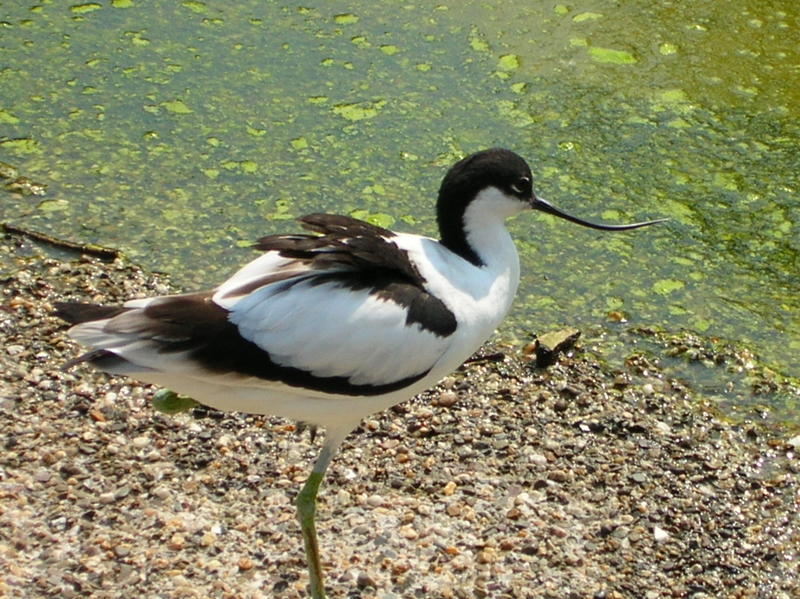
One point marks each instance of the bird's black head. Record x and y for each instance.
(496, 168)
(501, 182)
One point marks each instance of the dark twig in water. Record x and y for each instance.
(88, 248)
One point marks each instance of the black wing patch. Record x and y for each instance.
(358, 255)
(76, 312)
(193, 323)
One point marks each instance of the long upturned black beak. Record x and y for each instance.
(538, 203)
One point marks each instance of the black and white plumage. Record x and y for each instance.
(330, 326)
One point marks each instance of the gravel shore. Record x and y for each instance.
(504, 481)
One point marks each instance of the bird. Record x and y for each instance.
(336, 323)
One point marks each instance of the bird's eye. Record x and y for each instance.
(521, 185)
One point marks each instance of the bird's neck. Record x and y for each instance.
(479, 234)
(493, 245)
(453, 236)
(481, 291)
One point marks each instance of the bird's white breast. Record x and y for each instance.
(479, 296)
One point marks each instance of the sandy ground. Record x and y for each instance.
(504, 481)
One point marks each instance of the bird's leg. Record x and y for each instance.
(306, 504)
(306, 509)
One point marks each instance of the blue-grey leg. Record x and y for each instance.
(306, 504)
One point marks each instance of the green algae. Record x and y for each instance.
(195, 6)
(377, 218)
(667, 286)
(477, 40)
(182, 127)
(359, 111)
(169, 402)
(508, 62)
(345, 19)
(19, 146)
(587, 16)
(667, 49)
(611, 56)
(176, 107)
(80, 9)
(299, 143)
(7, 117)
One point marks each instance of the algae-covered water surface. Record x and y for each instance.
(181, 131)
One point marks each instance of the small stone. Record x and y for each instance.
(408, 532)
(245, 564)
(449, 488)
(364, 580)
(660, 535)
(663, 428)
(43, 475)
(176, 542)
(487, 556)
(538, 459)
(559, 476)
(447, 398)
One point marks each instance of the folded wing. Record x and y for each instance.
(341, 311)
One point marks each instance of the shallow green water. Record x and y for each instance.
(181, 131)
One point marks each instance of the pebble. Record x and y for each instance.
(571, 481)
(639, 477)
(161, 492)
(447, 399)
(364, 580)
(375, 500)
(176, 542)
(43, 475)
(245, 564)
(660, 535)
(408, 532)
